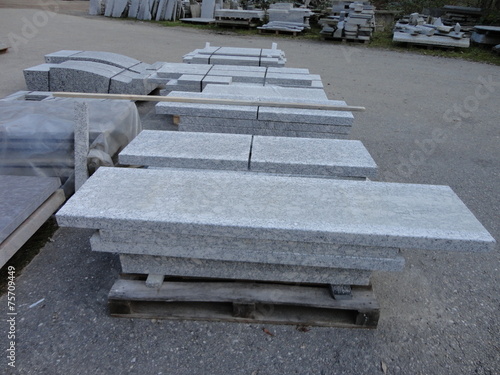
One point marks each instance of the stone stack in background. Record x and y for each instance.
(356, 23)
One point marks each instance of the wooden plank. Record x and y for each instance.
(156, 98)
(243, 302)
(23, 233)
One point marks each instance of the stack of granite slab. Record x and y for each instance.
(415, 30)
(195, 77)
(357, 22)
(284, 17)
(256, 119)
(306, 157)
(158, 10)
(239, 17)
(247, 226)
(91, 72)
(272, 57)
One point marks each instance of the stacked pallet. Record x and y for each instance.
(239, 17)
(357, 23)
(467, 17)
(260, 119)
(415, 30)
(283, 17)
(272, 57)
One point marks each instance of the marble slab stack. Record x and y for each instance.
(260, 120)
(232, 225)
(158, 10)
(91, 72)
(327, 158)
(237, 56)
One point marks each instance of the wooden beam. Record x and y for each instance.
(156, 98)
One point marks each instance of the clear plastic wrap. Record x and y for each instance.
(36, 138)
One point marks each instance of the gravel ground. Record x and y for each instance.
(428, 120)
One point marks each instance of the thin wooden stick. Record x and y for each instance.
(155, 98)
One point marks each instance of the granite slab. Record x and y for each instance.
(175, 70)
(192, 267)
(37, 77)
(20, 196)
(234, 60)
(216, 80)
(235, 51)
(108, 58)
(82, 76)
(289, 79)
(237, 68)
(249, 205)
(213, 122)
(201, 251)
(128, 82)
(207, 8)
(303, 156)
(212, 111)
(185, 150)
(60, 56)
(273, 93)
(306, 116)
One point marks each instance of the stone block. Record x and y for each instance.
(188, 150)
(60, 56)
(37, 77)
(271, 93)
(216, 80)
(108, 58)
(234, 60)
(82, 76)
(20, 196)
(201, 250)
(249, 205)
(306, 116)
(207, 8)
(305, 156)
(237, 68)
(284, 79)
(287, 70)
(192, 267)
(239, 76)
(215, 112)
(234, 51)
(128, 82)
(175, 70)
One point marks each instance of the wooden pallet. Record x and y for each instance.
(244, 302)
(277, 32)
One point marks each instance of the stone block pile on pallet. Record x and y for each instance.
(284, 17)
(351, 21)
(157, 10)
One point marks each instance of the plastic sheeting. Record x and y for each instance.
(37, 139)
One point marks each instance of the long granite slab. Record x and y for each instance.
(201, 250)
(20, 196)
(214, 111)
(305, 156)
(189, 267)
(188, 150)
(306, 116)
(248, 205)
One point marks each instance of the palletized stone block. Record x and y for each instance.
(82, 76)
(216, 112)
(271, 93)
(220, 248)
(192, 267)
(320, 157)
(216, 80)
(37, 77)
(239, 76)
(249, 205)
(175, 70)
(184, 150)
(60, 56)
(234, 60)
(234, 51)
(306, 116)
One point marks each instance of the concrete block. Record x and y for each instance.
(60, 56)
(200, 250)
(249, 205)
(20, 196)
(192, 267)
(82, 76)
(37, 77)
(319, 157)
(188, 150)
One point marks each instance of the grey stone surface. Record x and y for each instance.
(262, 131)
(237, 68)
(286, 79)
(60, 56)
(235, 51)
(303, 156)
(215, 122)
(20, 196)
(95, 8)
(207, 8)
(243, 254)
(38, 95)
(234, 60)
(273, 93)
(239, 270)
(128, 82)
(215, 112)
(37, 77)
(306, 116)
(175, 70)
(239, 76)
(81, 145)
(237, 13)
(247, 205)
(188, 150)
(108, 58)
(216, 80)
(272, 69)
(82, 76)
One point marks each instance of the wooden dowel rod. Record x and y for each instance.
(155, 98)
